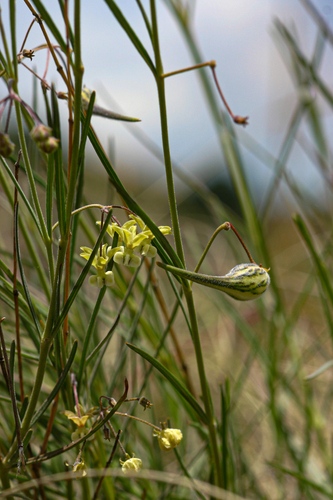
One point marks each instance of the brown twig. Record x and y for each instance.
(242, 242)
(40, 22)
(240, 120)
(27, 34)
(108, 463)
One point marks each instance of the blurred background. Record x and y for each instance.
(254, 70)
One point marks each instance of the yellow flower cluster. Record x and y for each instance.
(133, 247)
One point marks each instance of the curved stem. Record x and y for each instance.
(225, 226)
(179, 246)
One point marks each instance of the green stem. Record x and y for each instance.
(176, 230)
(23, 224)
(33, 398)
(5, 480)
(165, 138)
(78, 73)
(206, 397)
(13, 74)
(225, 226)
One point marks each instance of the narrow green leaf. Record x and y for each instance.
(24, 282)
(57, 387)
(59, 173)
(23, 196)
(165, 250)
(131, 34)
(322, 271)
(304, 480)
(173, 381)
(320, 370)
(47, 19)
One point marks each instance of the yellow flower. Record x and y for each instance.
(100, 262)
(133, 242)
(145, 247)
(80, 421)
(131, 465)
(168, 438)
(79, 469)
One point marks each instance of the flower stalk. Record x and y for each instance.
(179, 246)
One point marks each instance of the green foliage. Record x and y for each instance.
(235, 396)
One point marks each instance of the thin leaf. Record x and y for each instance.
(165, 250)
(57, 387)
(81, 278)
(24, 282)
(303, 479)
(131, 34)
(173, 381)
(320, 370)
(59, 171)
(322, 271)
(23, 196)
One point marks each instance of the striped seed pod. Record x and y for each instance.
(243, 282)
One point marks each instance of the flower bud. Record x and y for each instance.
(6, 145)
(40, 133)
(243, 282)
(131, 465)
(50, 145)
(168, 438)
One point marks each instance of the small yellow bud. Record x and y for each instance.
(131, 465)
(168, 438)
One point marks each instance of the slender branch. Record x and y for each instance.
(15, 290)
(108, 463)
(240, 120)
(212, 64)
(40, 22)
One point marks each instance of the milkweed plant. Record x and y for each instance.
(96, 383)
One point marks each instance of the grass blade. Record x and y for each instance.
(58, 385)
(173, 381)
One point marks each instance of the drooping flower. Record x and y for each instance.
(146, 248)
(131, 465)
(100, 262)
(79, 468)
(168, 438)
(80, 421)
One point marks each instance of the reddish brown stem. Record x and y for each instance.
(242, 242)
(108, 463)
(240, 120)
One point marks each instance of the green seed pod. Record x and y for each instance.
(243, 282)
